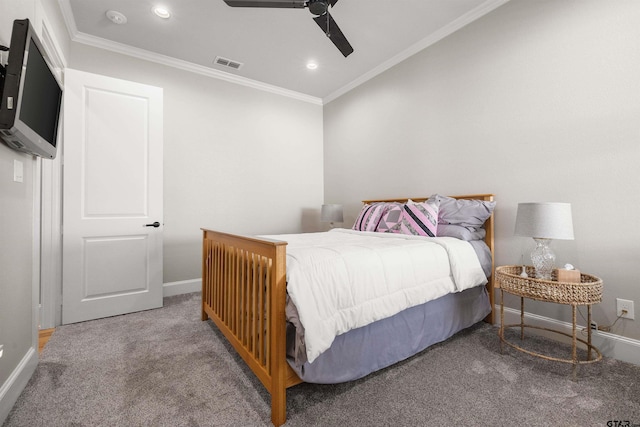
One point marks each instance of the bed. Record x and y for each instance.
(244, 292)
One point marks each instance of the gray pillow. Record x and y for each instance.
(484, 255)
(461, 232)
(467, 213)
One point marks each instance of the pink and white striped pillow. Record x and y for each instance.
(420, 219)
(369, 217)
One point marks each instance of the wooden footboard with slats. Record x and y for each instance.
(244, 293)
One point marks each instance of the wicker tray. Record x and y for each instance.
(588, 291)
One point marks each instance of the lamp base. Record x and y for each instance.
(543, 259)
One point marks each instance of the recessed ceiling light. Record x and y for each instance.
(162, 12)
(312, 65)
(116, 17)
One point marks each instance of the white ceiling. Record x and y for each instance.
(274, 45)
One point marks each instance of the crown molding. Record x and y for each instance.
(101, 43)
(435, 37)
(80, 37)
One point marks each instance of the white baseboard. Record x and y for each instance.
(182, 287)
(610, 345)
(17, 381)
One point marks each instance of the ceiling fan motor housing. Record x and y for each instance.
(317, 7)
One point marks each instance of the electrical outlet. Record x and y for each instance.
(627, 305)
(594, 326)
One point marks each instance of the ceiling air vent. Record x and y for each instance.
(227, 63)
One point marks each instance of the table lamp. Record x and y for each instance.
(331, 214)
(544, 222)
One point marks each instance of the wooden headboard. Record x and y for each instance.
(489, 239)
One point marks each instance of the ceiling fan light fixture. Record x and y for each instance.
(162, 12)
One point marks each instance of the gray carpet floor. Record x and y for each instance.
(165, 367)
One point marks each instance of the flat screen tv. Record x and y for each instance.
(31, 95)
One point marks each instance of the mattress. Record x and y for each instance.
(370, 348)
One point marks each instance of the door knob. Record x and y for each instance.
(155, 225)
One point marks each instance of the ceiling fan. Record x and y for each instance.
(320, 8)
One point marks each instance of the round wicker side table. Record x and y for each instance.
(587, 292)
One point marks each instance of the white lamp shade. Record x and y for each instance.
(331, 213)
(544, 220)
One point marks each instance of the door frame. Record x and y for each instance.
(47, 269)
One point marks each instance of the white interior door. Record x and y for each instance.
(112, 259)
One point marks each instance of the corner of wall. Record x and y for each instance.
(11, 389)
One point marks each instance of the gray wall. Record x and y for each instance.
(536, 101)
(16, 226)
(236, 159)
(16, 232)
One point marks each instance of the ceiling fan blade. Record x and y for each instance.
(332, 2)
(284, 4)
(335, 34)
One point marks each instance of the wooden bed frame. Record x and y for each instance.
(244, 293)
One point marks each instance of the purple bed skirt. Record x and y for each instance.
(362, 351)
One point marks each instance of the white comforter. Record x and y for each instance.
(345, 279)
